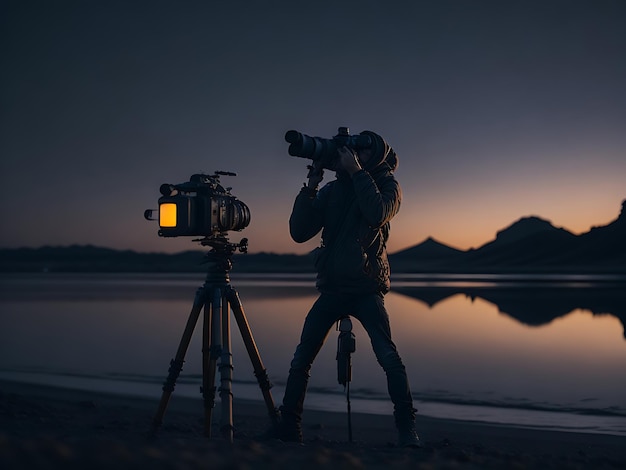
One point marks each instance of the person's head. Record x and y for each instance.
(364, 155)
(376, 155)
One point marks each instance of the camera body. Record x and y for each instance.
(199, 207)
(324, 151)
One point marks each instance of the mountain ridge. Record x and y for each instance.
(530, 244)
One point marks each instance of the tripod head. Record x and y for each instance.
(220, 244)
(219, 258)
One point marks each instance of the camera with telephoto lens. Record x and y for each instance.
(324, 151)
(199, 207)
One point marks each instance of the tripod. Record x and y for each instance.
(217, 297)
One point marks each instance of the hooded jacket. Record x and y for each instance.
(353, 213)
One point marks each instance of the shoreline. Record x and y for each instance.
(527, 417)
(47, 426)
(309, 276)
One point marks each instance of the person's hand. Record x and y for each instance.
(348, 160)
(315, 175)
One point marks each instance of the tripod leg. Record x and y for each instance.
(226, 375)
(176, 364)
(211, 350)
(259, 370)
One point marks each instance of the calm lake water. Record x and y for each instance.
(548, 353)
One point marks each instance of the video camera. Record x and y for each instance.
(324, 151)
(199, 207)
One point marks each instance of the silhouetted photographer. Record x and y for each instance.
(353, 213)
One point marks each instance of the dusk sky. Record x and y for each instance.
(496, 109)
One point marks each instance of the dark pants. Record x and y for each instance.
(370, 310)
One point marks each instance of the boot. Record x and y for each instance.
(407, 435)
(289, 427)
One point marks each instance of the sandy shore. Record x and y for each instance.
(45, 427)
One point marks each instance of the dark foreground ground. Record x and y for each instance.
(48, 428)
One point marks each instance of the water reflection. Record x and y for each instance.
(531, 346)
(530, 303)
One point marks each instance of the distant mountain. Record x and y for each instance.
(427, 250)
(88, 258)
(530, 241)
(529, 245)
(522, 229)
(602, 245)
(430, 252)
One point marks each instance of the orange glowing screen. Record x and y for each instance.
(167, 214)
